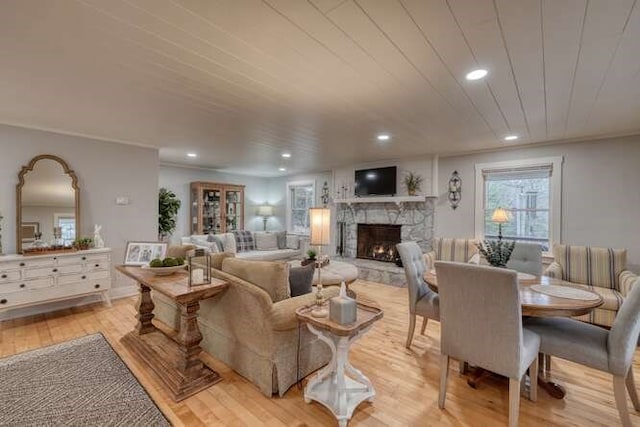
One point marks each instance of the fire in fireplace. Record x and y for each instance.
(378, 241)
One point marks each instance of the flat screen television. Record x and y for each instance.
(376, 182)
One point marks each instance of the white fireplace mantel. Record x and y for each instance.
(383, 199)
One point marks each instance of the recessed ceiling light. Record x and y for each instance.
(511, 137)
(286, 155)
(282, 169)
(383, 137)
(192, 155)
(477, 74)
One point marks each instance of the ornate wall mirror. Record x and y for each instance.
(48, 204)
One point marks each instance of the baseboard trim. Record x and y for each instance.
(114, 293)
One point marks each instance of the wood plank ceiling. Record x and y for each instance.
(241, 81)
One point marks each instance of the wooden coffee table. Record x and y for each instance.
(172, 355)
(331, 386)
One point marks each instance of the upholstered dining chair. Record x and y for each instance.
(481, 323)
(606, 350)
(422, 300)
(526, 258)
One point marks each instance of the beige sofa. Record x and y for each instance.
(252, 327)
(291, 251)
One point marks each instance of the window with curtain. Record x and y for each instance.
(300, 197)
(526, 190)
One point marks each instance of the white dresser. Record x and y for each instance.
(36, 279)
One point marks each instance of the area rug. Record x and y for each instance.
(81, 382)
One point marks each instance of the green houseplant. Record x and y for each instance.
(168, 205)
(82, 243)
(413, 182)
(310, 259)
(496, 252)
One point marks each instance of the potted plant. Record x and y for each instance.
(168, 205)
(413, 181)
(311, 257)
(496, 252)
(82, 243)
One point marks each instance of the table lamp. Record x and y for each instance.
(265, 211)
(320, 220)
(500, 216)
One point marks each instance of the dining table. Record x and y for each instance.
(543, 296)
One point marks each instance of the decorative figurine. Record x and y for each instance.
(98, 242)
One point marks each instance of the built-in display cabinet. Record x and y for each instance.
(36, 279)
(216, 207)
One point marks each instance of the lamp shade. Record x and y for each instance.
(265, 210)
(320, 220)
(500, 216)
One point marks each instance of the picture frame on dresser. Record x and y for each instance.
(28, 231)
(141, 253)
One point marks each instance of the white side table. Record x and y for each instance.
(339, 386)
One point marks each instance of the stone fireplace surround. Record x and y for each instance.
(415, 219)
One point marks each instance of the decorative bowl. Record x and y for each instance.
(164, 271)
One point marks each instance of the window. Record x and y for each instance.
(300, 197)
(529, 190)
(67, 224)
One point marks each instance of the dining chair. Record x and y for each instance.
(526, 258)
(481, 323)
(422, 300)
(596, 347)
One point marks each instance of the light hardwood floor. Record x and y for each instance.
(406, 381)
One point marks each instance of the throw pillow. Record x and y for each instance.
(244, 241)
(229, 242)
(202, 242)
(301, 280)
(213, 238)
(282, 239)
(293, 241)
(266, 241)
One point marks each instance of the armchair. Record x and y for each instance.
(602, 270)
(447, 249)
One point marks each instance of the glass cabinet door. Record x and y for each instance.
(211, 213)
(194, 211)
(233, 199)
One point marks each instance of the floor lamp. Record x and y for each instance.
(320, 220)
(500, 216)
(265, 212)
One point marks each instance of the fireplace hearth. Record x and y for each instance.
(378, 241)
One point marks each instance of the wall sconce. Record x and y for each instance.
(265, 212)
(455, 189)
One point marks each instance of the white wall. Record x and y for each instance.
(105, 171)
(258, 191)
(600, 195)
(423, 166)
